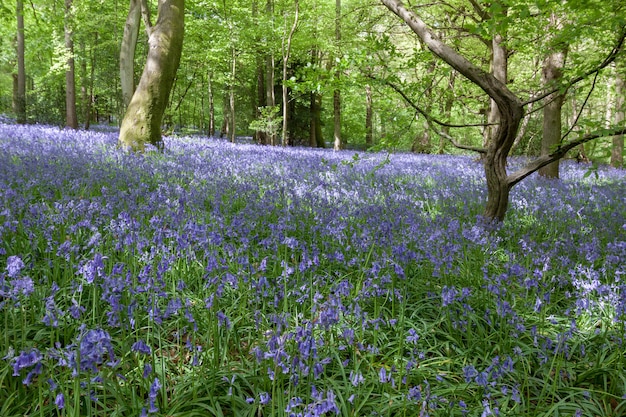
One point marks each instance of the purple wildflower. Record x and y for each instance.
(14, 266)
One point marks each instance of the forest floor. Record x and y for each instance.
(240, 280)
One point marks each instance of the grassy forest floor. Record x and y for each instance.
(238, 280)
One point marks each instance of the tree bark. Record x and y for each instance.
(211, 131)
(127, 52)
(286, 53)
(499, 69)
(337, 93)
(617, 150)
(231, 95)
(551, 75)
(20, 92)
(142, 121)
(369, 125)
(269, 71)
(71, 119)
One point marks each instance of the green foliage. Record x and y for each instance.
(269, 120)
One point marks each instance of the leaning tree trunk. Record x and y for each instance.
(509, 106)
(142, 121)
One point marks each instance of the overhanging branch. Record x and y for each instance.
(610, 58)
(559, 152)
(430, 120)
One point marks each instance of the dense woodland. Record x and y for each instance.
(352, 73)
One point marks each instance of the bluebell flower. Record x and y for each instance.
(152, 395)
(59, 401)
(14, 266)
(264, 398)
(26, 359)
(141, 347)
(413, 337)
(147, 370)
(356, 378)
(469, 372)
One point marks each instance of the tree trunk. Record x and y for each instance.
(551, 74)
(509, 106)
(369, 127)
(84, 87)
(617, 150)
(211, 131)
(127, 52)
(499, 67)
(260, 101)
(225, 129)
(142, 121)
(20, 92)
(231, 96)
(71, 119)
(286, 52)
(337, 93)
(269, 71)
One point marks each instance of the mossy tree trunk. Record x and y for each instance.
(142, 121)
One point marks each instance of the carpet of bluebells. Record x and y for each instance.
(237, 280)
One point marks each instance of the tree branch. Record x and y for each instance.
(610, 58)
(559, 152)
(430, 120)
(593, 86)
(145, 14)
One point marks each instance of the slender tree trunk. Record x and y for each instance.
(269, 71)
(142, 122)
(71, 119)
(84, 86)
(20, 92)
(127, 52)
(92, 76)
(369, 125)
(225, 130)
(617, 150)
(260, 101)
(337, 93)
(286, 53)
(211, 131)
(231, 96)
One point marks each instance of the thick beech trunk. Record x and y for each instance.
(142, 122)
(127, 52)
(71, 119)
(20, 92)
